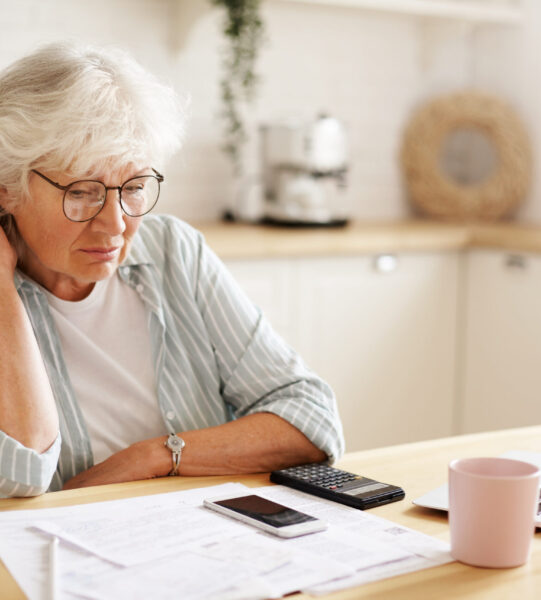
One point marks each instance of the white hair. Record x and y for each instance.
(80, 109)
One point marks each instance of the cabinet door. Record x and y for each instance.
(383, 334)
(502, 343)
(268, 284)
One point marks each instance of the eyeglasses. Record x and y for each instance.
(83, 200)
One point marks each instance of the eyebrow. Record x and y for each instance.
(91, 177)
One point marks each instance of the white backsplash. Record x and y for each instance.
(366, 68)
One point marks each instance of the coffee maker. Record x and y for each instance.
(304, 170)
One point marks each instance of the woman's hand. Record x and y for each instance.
(27, 406)
(136, 462)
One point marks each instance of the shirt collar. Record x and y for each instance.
(20, 279)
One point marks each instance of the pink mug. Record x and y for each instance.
(492, 507)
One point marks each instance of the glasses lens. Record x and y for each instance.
(139, 195)
(83, 200)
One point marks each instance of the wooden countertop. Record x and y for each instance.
(245, 241)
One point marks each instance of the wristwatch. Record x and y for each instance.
(175, 443)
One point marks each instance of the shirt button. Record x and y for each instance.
(170, 415)
(140, 287)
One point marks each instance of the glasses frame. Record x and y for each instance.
(158, 176)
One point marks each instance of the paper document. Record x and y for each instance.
(156, 546)
(118, 537)
(376, 547)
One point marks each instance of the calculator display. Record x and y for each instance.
(364, 489)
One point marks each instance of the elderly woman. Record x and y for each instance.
(128, 352)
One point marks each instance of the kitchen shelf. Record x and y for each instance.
(476, 12)
(185, 13)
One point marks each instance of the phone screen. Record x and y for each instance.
(266, 511)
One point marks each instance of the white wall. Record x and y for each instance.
(368, 69)
(508, 63)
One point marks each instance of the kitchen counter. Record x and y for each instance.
(244, 241)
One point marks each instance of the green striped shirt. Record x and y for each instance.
(216, 358)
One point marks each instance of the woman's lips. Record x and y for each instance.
(102, 254)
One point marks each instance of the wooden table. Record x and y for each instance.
(417, 467)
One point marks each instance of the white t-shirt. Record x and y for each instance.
(106, 345)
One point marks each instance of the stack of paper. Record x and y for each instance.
(155, 546)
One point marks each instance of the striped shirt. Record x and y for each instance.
(216, 359)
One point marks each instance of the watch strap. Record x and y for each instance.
(176, 462)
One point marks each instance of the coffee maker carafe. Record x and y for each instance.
(304, 167)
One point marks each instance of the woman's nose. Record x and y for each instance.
(110, 219)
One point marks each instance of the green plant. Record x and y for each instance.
(243, 29)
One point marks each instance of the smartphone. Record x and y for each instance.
(269, 516)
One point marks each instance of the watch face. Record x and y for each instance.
(175, 443)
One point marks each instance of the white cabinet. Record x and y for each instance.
(385, 341)
(380, 329)
(502, 341)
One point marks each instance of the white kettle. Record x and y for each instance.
(327, 145)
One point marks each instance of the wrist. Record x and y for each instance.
(152, 457)
(175, 444)
(159, 455)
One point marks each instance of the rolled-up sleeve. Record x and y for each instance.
(23, 471)
(293, 392)
(259, 371)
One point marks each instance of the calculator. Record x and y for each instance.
(340, 486)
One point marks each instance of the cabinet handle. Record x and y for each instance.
(385, 263)
(517, 262)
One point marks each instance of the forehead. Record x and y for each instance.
(109, 174)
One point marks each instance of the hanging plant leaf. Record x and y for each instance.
(243, 29)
